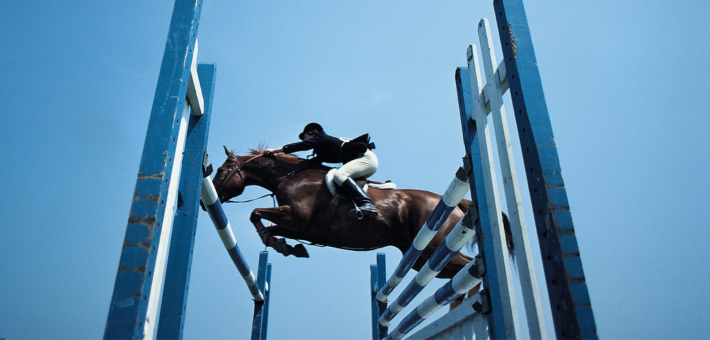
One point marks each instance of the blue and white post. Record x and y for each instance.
(454, 194)
(224, 229)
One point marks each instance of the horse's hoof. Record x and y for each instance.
(281, 247)
(300, 251)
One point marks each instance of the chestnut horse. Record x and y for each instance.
(303, 202)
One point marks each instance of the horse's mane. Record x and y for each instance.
(260, 150)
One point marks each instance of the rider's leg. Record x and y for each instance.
(362, 200)
(364, 166)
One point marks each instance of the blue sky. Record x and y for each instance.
(625, 84)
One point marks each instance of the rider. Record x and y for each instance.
(356, 155)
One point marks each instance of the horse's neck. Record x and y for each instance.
(269, 177)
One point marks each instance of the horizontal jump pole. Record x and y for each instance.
(459, 236)
(224, 229)
(454, 194)
(460, 284)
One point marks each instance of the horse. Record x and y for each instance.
(303, 209)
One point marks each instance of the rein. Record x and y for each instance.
(251, 200)
(238, 169)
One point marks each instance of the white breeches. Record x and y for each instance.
(364, 166)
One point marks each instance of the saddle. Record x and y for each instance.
(335, 201)
(365, 184)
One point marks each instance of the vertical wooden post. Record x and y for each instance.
(260, 307)
(137, 290)
(569, 298)
(177, 275)
(502, 322)
(378, 278)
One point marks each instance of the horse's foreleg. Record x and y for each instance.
(264, 234)
(283, 219)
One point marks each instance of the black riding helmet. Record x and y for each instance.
(310, 127)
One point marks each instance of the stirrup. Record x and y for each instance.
(358, 213)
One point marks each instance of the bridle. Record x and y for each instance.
(227, 177)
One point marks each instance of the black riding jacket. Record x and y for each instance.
(329, 149)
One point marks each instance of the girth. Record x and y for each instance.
(328, 220)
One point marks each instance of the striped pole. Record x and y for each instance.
(464, 281)
(224, 229)
(454, 194)
(462, 233)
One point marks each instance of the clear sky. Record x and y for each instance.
(626, 86)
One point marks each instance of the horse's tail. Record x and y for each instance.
(464, 205)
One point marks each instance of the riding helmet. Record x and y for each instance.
(310, 127)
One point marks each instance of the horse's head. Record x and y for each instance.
(268, 172)
(229, 181)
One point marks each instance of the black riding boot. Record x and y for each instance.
(364, 206)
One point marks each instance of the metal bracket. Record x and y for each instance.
(467, 166)
(206, 168)
(483, 307)
(479, 267)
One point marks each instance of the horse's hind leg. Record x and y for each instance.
(283, 219)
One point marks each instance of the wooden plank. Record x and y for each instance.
(459, 315)
(177, 277)
(499, 249)
(502, 80)
(194, 88)
(156, 289)
(374, 309)
(257, 328)
(471, 141)
(134, 297)
(467, 327)
(526, 269)
(480, 329)
(569, 298)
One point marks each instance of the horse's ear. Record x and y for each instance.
(229, 154)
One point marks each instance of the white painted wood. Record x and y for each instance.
(467, 327)
(505, 281)
(194, 89)
(456, 332)
(461, 314)
(156, 290)
(528, 281)
(502, 79)
(480, 329)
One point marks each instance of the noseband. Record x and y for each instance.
(227, 177)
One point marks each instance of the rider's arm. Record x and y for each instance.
(303, 145)
(272, 151)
